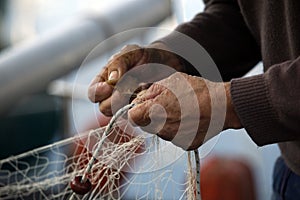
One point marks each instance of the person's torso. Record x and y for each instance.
(275, 25)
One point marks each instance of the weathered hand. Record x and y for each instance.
(179, 109)
(131, 56)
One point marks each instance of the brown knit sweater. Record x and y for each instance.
(238, 34)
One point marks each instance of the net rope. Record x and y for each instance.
(127, 164)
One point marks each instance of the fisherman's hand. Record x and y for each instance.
(179, 109)
(102, 87)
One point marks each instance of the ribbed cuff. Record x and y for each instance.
(253, 106)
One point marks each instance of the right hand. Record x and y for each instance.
(102, 87)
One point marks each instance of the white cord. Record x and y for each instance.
(109, 127)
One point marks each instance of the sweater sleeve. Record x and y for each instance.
(222, 32)
(268, 105)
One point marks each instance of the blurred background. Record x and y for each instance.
(43, 95)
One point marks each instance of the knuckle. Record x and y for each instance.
(113, 57)
(126, 57)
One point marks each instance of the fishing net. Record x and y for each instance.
(129, 164)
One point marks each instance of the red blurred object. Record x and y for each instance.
(99, 175)
(226, 179)
(80, 188)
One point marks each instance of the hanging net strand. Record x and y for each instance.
(113, 162)
(84, 186)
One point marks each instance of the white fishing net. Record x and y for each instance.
(129, 165)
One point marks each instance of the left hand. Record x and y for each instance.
(179, 109)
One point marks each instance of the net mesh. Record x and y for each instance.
(130, 165)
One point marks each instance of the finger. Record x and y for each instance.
(123, 61)
(105, 107)
(112, 104)
(99, 91)
(101, 86)
(152, 117)
(113, 77)
(152, 92)
(95, 89)
(113, 71)
(139, 114)
(116, 69)
(101, 77)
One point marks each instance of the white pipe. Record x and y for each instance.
(29, 68)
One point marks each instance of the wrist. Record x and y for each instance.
(232, 120)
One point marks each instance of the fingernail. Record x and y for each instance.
(113, 75)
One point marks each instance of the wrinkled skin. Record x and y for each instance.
(102, 87)
(193, 110)
(177, 108)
